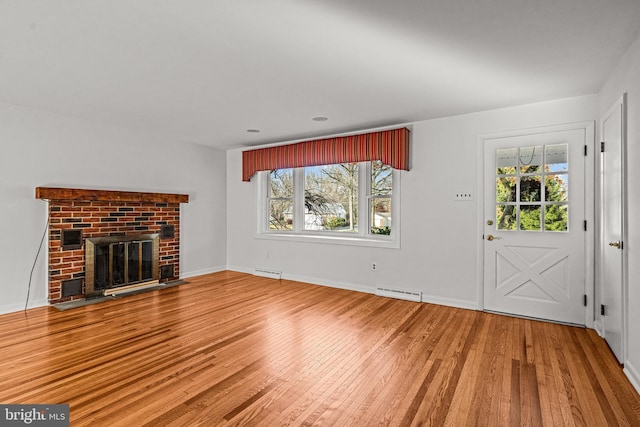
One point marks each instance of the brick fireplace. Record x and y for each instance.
(76, 215)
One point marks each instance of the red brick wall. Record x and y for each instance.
(102, 219)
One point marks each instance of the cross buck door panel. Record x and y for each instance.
(534, 225)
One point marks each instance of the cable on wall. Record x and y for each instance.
(35, 261)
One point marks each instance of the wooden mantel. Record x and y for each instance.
(51, 193)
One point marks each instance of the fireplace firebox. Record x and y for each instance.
(119, 261)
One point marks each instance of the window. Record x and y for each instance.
(532, 188)
(351, 203)
(331, 197)
(380, 199)
(280, 199)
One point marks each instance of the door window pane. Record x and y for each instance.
(556, 188)
(506, 161)
(556, 217)
(557, 158)
(531, 188)
(530, 217)
(530, 159)
(506, 188)
(506, 217)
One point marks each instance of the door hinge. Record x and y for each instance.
(602, 147)
(584, 300)
(585, 150)
(602, 309)
(585, 225)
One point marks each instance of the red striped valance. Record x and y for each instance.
(389, 146)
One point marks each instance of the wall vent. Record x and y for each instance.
(71, 287)
(272, 274)
(71, 239)
(399, 294)
(167, 271)
(167, 232)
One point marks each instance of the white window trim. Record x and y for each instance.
(362, 238)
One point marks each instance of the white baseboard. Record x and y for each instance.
(632, 373)
(202, 272)
(12, 308)
(449, 302)
(239, 269)
(312, 280)
(330, 283)
(597, 326)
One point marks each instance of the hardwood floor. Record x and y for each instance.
(234, 349)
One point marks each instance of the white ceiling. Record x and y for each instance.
(205, 71)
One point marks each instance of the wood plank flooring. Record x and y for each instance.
(234, 349)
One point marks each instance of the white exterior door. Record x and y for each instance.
(534, 223)
(612, 293)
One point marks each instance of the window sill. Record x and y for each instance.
(332, 240)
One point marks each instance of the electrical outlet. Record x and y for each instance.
(463, 196)
(374, 266)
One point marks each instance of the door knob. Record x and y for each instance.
(490, 237)
(617, 244)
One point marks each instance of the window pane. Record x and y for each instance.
(380, 211)
(505, 217)
(556, 188)
(557, 158)
(530, 217)
(281, 183)
(506, 189)
(281, 214)
(530, 188)
(381, 178)
(506, 161)
(556, 217)
(530, 159)
(331, 197)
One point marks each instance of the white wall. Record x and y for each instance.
(626, 78)
(43, 149)
(439, 238)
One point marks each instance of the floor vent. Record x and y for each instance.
(271, 274)
(400, 294)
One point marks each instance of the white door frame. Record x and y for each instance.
(620, 103)
(589, 200)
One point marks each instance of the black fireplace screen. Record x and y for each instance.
(125, 260)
